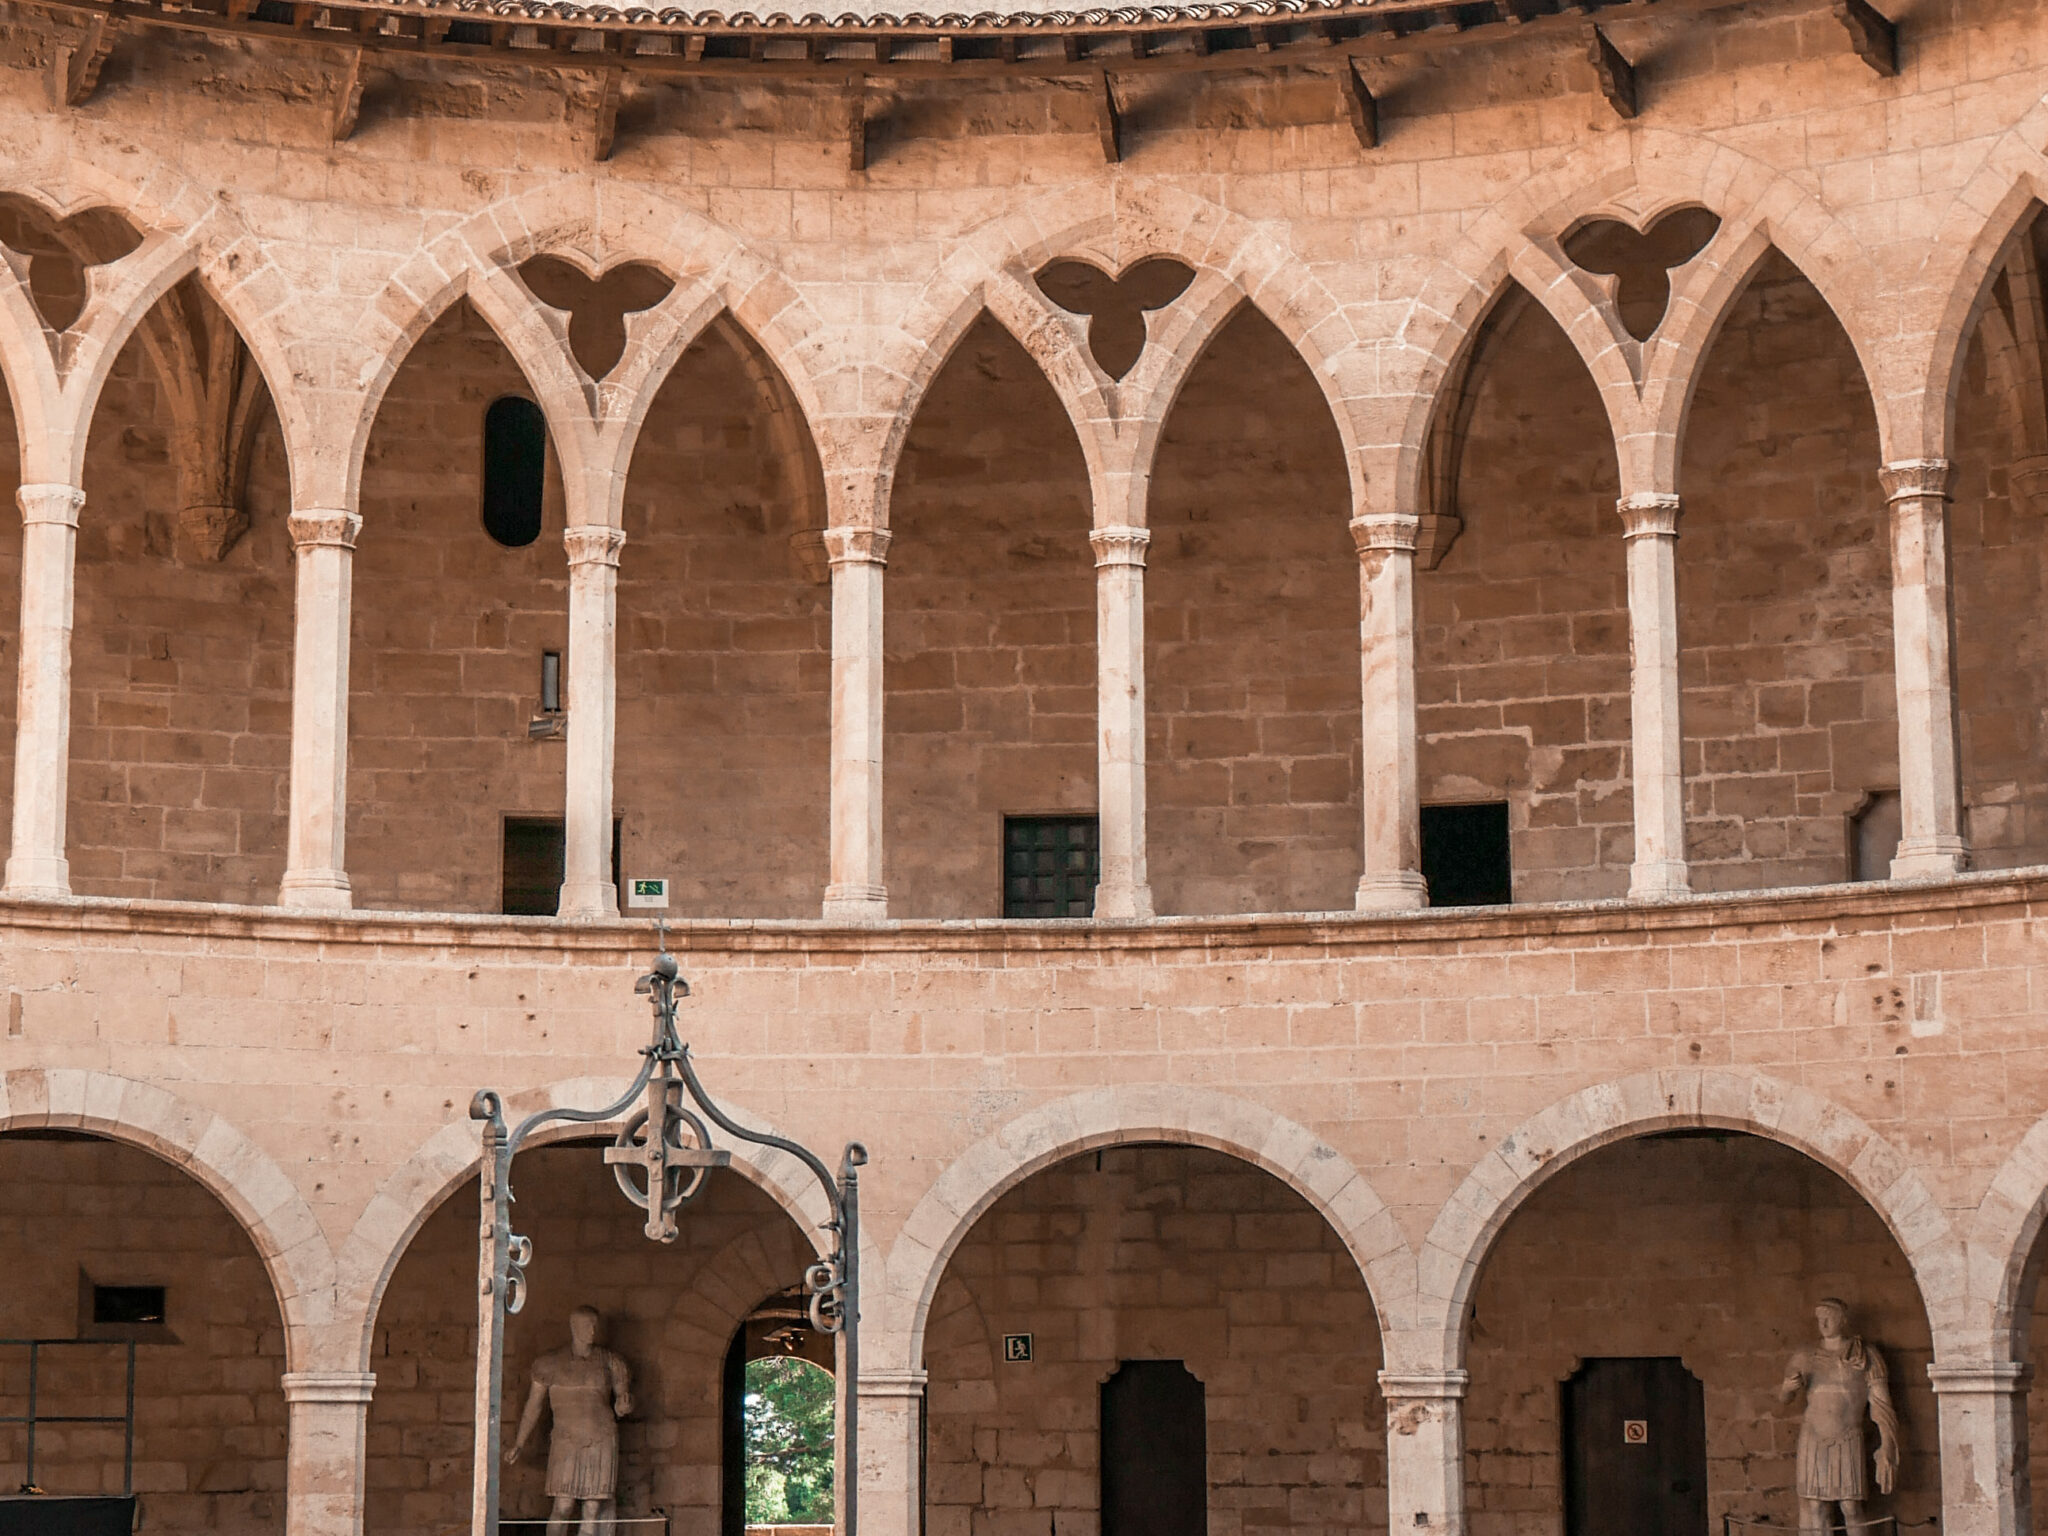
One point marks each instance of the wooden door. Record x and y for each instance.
(1155, 1451)
(1635, 1449)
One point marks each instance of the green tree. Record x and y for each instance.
(788, 1417)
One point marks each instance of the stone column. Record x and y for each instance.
(323, 1479)
(1985, 1486)
(856, 893)
(1425, 1450)
(1657, 738)
(315, 873)
(1392, 877)
(1125, 891)
(36, 865)
(891, 1433)
(589, 889)
(1923, 642)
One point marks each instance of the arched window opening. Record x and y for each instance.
(780, 1407)
(515, 470)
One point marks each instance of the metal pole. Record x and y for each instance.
(34, 1349)
(849, 1332)
(128, 1430)
(494, 1236)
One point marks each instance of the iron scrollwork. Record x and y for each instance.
(662, 1157)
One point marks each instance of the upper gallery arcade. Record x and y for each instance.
(1662, 464)
(893, 477)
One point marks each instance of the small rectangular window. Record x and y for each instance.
(551, 682)
(533, 864)
(128, 1304)
(1874, 832)
(1465, 855)
(1051, 865)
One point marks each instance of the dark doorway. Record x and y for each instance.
(1465, 855)
(1635, 1449)
(1155, 1451)
(533, 864)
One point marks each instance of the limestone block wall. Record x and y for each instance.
(1141, 1253)
(2001, 553)
(989, 629)
(209, 1415)
(725, 645)
(1251, 618)
(1522, 650)
(181, 667)
(448, 627)
(1714, 1249)
(669, 1310)
(1784, 597)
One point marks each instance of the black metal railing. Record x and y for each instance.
(33, 1418)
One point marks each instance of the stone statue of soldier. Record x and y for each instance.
(587, 1390)
(1844, 1379)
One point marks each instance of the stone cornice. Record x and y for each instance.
(1776, 914)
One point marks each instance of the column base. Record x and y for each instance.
(1403, 891)
(1659, 877)
(856, 904)
(1930, 858)
(1123, 903)
(319, 890)
(587, 903)
(36, 879)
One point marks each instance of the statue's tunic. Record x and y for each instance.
(583, 1445)
(1832, 1459)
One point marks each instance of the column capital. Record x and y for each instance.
(1915, 480)
(598, 545)
(329, 1386)
(1119, 544)
(1649, 515)
(1409, 1386)
(50, 503)
(891, 1383)
(1980, 1376)
(856, 546)
(1386, 531)
(324, 528)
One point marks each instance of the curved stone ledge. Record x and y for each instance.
(1339, 931)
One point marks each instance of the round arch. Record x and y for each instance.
(371, 1253)
(1605, 1113)
(241, 1175)
(1103, 1117)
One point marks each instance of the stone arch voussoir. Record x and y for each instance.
(1598, 1116)
(241, 1175)
(370, 1255)
(1103, 1117)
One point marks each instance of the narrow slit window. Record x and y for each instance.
(551, 681)
(515, 470)
(1051, 865)
(1465, 855)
